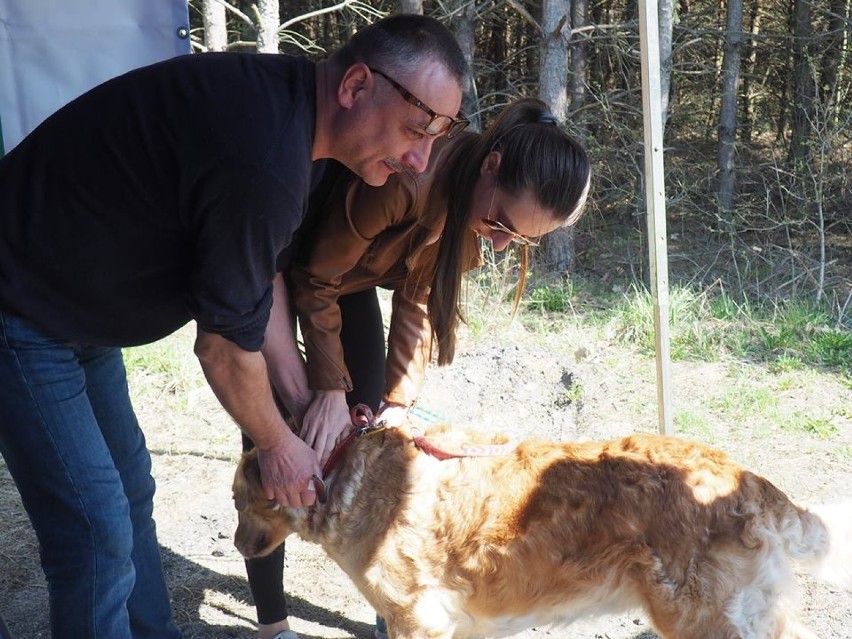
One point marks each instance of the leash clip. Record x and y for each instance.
(362, 416)
(320, 488)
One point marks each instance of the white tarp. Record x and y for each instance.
(51, 51)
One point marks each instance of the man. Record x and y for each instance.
(166, 195)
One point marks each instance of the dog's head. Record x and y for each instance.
(262, 524)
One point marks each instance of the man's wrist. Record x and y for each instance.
(274, 436)
(332, 394)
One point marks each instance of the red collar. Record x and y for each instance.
(363, 422)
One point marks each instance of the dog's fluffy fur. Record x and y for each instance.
(488, 546)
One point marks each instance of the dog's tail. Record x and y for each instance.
(820, 538)
(835, 566)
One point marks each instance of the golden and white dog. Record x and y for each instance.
(547, 533)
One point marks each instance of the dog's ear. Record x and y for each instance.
(246, 480)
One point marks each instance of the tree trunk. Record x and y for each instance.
(833, 54)
(410, 6)
(579, 60)
(665, 12)
(554, 254)
(803, 82)
(553, 74)
(267, 29)
(728, 109)
(465, 30)
(215, 26)
(749, 62)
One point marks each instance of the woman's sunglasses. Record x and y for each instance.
(499, 227)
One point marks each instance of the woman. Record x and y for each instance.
(417, 235)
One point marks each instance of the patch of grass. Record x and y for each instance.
(787, 381)
(553, 298)
(691, 333)
(166, 367)
(786, 364)
(693, 425)
(573, 395)
(786, 336)
(830, 347)
(820, 427)
(724, 307)
(797, 330)
(747, 401)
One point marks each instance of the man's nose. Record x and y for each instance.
(418, 156)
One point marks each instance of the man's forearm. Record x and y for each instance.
(240, 381)
(283, 359)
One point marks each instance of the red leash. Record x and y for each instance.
(467, 450)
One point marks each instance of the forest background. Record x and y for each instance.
(755, 104)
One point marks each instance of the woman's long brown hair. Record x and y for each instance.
(535, 155)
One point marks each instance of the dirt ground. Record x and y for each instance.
(575, 384)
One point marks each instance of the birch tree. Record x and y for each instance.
(215, 25)
(268, 21)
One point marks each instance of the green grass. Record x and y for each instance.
(693, 425)
(555, 298)
(166, 367)
(747, 400)
(787, 336)
(816, 426)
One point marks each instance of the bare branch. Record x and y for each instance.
(242, 16)
(526, 15)
(354, 5)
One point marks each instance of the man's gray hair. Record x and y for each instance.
(399, 44)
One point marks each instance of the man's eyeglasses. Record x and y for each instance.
(439, 124)
(499, 227)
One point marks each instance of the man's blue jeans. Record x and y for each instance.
(71, 440)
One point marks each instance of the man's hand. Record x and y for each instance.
(326, 420)
(241, 383)
(286, 471)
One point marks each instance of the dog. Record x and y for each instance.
(464, 544)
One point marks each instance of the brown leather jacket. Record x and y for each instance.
(375, 236)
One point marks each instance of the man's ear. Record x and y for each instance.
(355, 79)
(491, 164)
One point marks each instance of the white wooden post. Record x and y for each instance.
(655, 198)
